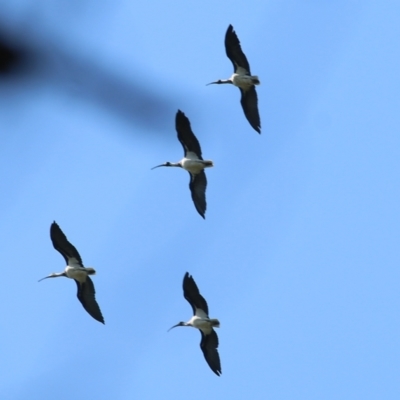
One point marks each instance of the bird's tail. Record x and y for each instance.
(255, 80)
(214, 322)
(90, 271)
(208, 163)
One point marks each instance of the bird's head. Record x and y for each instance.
(178, 324)
(219, 81)
(167, 164)
(54, 275)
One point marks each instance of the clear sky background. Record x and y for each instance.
(299, 253)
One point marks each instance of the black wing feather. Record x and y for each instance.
(86, 295)
(192, 294)
(249, 103)
(186, 136)
(234, 50)
(209, 345)
(198, 186)
(62, 245)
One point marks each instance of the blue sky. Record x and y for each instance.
(298, 256)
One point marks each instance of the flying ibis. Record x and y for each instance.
(242, 78)
(201, 321)
(191, 162)
(75, 270)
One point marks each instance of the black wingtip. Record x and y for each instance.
(181, 120)
(98, 319)
(201, 213)
(255, 126)
(95, 314)
(230, 33)
(54, 227)
(187, 277)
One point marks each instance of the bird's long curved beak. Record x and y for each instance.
(53, 275)
(161, 165)
(174, 326)
(210, 83)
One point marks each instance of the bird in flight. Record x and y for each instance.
(76, 271)
(242, 78)
(200, 320)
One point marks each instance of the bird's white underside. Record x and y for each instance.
(200, 314)
(192, 163)
(243, 80)
(202, 322)
(75, 271)
(241, 70)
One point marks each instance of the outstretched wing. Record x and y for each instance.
(198, 185)
(249, 103)
(62, 245)
(209, 346)
(234, 51)
(86, 295)
(192, 294)
(186, 136)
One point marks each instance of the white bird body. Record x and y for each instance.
(205, 324)
(78, 273)
(243, 80)
(194, 165)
